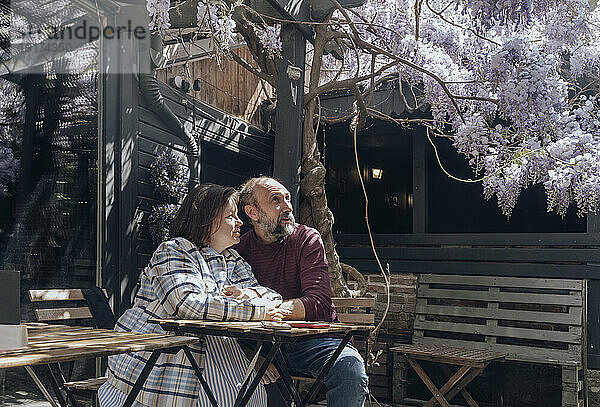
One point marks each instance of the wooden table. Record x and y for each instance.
(276, 337)
(471, 361)
(50, 344)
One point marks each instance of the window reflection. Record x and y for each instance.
(48, 173)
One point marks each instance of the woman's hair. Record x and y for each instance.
(198, 212)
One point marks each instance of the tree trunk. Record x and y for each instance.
(314, 211)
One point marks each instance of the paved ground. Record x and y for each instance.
(18, 389)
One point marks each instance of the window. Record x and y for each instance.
(48, 173)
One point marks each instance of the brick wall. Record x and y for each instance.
(400, 317)
(397, 327)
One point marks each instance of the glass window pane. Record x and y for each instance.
(48, 173)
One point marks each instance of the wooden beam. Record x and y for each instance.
(289, 117)
(420, 183)
(593, 305)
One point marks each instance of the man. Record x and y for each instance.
(290, 258)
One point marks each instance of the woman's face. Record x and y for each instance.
(226, 228)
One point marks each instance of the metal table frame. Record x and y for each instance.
(262, 335)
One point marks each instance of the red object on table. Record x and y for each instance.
(309, 324)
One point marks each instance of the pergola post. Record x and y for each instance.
(289, 113)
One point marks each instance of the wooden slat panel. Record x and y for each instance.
(557, 271)
(154, 139)
(237, 139)
(573, 336)
(58, 314)
(518, 353)
(572, 318)
(506, 254)
(574, 298)
(480, 239)
(89, 384)
(356, 318)
(70, 294)
(496, 281)
(159, 142)
(227, 126)
(55, 295)
(340, 302)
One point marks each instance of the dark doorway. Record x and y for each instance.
(385, 158)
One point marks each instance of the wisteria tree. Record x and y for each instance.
(514, 84)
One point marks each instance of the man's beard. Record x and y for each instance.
(276, 230)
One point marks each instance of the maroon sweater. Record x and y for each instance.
(295, 267)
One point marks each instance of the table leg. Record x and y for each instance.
(142, 378)
(62, 378)
(55, 386)
(286, 377)
(319, 380)
(242, 398)
(248, 374)
(253, 361)
(198, 371)
(432, 388)
(460, 387)
(450, 383)
(40, 386)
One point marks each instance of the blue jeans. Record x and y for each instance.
(347, 382)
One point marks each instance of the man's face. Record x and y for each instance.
(275, 217)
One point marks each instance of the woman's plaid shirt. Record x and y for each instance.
(182, 281)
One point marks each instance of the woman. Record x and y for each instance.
(194, 276)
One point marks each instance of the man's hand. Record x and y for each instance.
(295, 309)
(276, 314)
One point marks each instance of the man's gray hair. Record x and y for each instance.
(247, 196)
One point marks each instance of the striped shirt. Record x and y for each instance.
(183, 281)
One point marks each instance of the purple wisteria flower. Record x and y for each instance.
(160, 221)
(170, 177)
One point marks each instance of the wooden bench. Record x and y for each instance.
(532, 320)
(78, 311)
(471, 363)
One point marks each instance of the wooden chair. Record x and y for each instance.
(355, 310)
(80, 312)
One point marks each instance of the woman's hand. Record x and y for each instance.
(271, 374)
(276, 314)
(238, 293)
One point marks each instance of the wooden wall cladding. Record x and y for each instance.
(228, 86)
